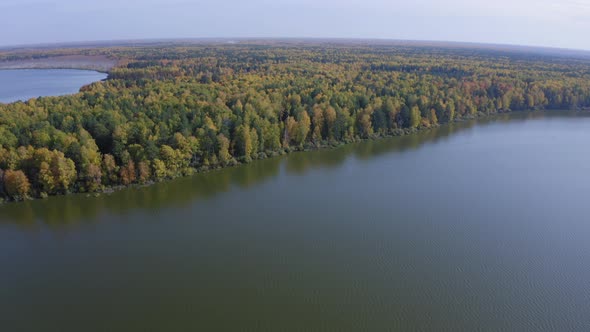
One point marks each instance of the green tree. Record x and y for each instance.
(415, 117)
(243, 142)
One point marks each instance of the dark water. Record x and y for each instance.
(23, 84)
(468, 227)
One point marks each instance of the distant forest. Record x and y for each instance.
(168, 111)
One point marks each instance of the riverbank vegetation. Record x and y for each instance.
(170, 110)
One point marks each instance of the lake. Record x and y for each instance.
(24, 84)
(471, 226)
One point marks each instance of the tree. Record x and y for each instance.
(318, 123)
(7, 138)
(433, 118)
(363, 121)
(254, 142)
(415, 117)
(271, 134)
(379, 121)
(223, 148)
(302, 128)
(290, 131)
(46, 178)
(450, 111)
(143, 171)
(2, 191)
(127, 173)
(110, 174)
(63, 170)
(159, 169)
(243, 142)
(93, 178)
(16, 184)
(330, 117)
(170, 157)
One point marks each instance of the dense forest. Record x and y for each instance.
(167, 111)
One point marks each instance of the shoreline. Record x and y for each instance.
(46, 90)
(289, 150)
(274, 154)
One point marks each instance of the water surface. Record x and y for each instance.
(24, 84)
(466, 227)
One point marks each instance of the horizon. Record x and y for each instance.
(542, 23)
(227, 40)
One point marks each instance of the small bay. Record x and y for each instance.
(23, 84)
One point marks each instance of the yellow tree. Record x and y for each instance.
(223, 148)
(415, 117)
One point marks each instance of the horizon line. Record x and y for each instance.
(97, 42)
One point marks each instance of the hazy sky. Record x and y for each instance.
(560, 23)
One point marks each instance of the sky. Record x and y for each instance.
(555, 23)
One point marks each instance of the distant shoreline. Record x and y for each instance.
(86, 62)
(287, 41)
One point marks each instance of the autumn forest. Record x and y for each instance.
(171, 110)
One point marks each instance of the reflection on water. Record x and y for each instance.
(69, 210)
(461, 228)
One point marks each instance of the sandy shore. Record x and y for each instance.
(98, 63)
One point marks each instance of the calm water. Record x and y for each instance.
(24, 84)
(468, 227)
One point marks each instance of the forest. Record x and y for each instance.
(171, 110)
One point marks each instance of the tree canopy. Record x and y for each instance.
(166, 111)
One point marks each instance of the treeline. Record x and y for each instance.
(168, 111)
